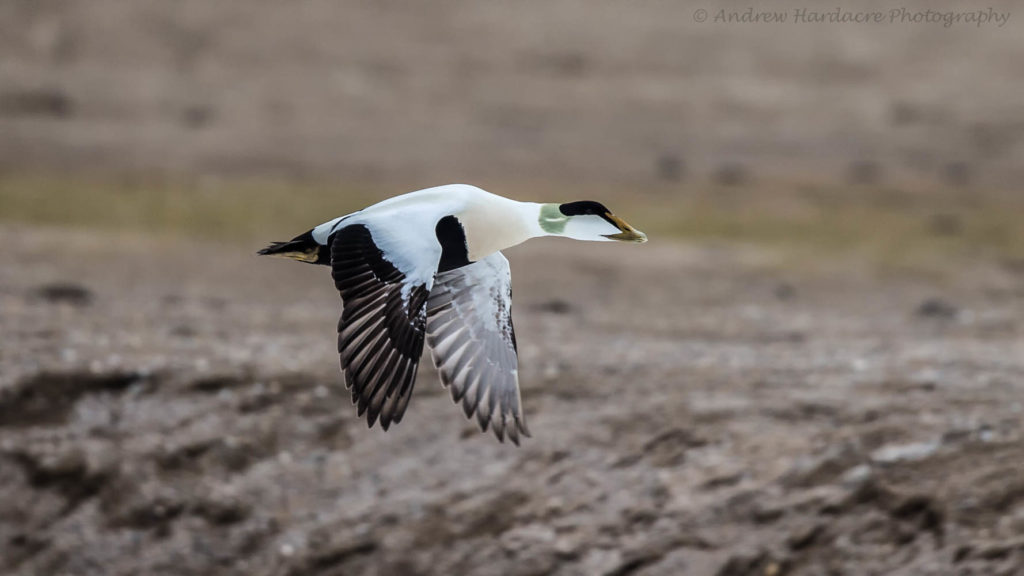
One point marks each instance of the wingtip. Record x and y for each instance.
(386, 420)
(513, 434)
(523, 429)
(483, 421)
(371, 419)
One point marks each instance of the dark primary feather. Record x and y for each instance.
(380, 333)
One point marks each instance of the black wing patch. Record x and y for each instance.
(452, 238)
(380, 333)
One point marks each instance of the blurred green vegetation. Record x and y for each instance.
(927, 228)
(890, 226)
(209, 207)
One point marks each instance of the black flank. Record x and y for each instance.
(454, 250)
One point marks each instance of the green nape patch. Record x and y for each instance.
(551, 219)
(887, 226)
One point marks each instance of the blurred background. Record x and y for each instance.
(814, 367)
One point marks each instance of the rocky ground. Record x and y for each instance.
(169, 407)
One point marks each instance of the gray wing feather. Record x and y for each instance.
(473, 345)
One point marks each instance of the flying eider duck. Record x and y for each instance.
(427, 266)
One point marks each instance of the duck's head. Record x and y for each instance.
(587, 220)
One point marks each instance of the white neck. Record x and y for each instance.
(499, 223)
(530, 215)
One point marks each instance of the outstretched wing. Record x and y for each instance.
(382, 325)
(473, 344)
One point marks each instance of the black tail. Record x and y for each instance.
(302, 248)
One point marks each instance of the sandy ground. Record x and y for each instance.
(174, 408)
